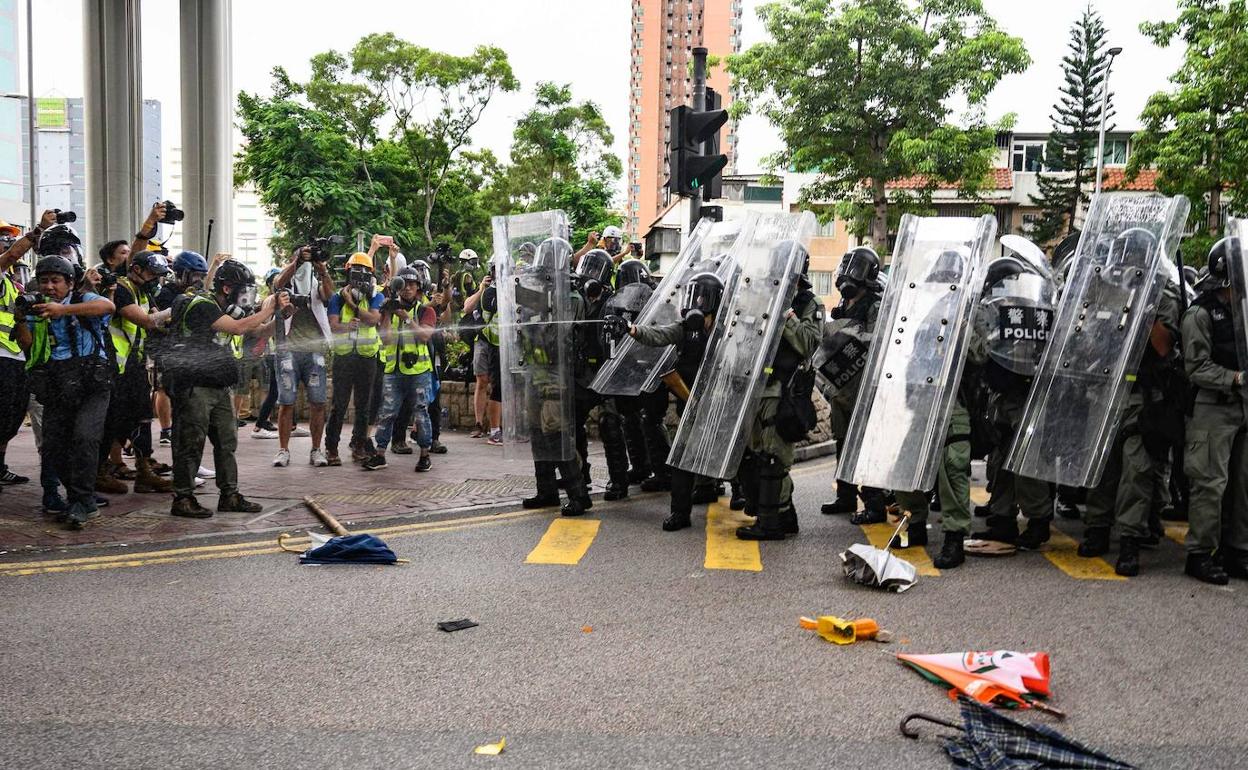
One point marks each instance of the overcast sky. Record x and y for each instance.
(584, 42)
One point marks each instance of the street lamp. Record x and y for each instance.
(1100, 145)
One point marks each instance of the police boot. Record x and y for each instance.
(1095, 542)
(914, 538)
(1002, 529)
(1235, 562)
(846, 500)
(108, 485)
(1035, 535)
(145, 481)
(769, 524)
(788, 520)
(736, 500)
(951, 553)
(704, 492)
(660, 482)
(189, 508)
(1128, 557)
(547, 488)
(1206, 569)
(617, 456)
(677, 521)
(575, 506)
(933, 503)
(1066, 504)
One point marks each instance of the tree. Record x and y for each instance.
(1071, 149)
(859, 91)
(1196, 135)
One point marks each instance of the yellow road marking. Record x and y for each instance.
(723, 549)
(1062, 552)
(1177, 533)
(879, 535)
(199, 553)
(565, 541)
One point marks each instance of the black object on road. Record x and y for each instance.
(456, 625)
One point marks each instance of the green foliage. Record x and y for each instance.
(1196, 134)
(859, 92)
(1076, 129)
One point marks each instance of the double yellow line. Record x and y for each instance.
(232, 550)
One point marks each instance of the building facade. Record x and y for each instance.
(665, 32)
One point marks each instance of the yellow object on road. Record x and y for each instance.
(492, 749)
(839, 630)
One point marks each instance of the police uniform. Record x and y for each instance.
(764, 469)
(1215, 456)
(590, 354)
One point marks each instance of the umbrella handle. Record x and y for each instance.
(913, 734)
(905, 520)
(1040, 705)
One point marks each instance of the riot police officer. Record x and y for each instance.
(1215, 461)
(764, 470)
(842, 357)
(699, 304)
(594, 273)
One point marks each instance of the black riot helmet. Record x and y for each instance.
(782, 249)
(595, 270)
(632, 271)
(701, 299)
(553, 254)
(235, 274)
(949, 266)
(859, 269)
(1219, 275)
(60, 240)
(1002, 268)
(155, 263)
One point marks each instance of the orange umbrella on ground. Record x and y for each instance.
(1000, 677)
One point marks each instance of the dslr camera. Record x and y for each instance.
(65, 217)
(321, 246)
(24, 302)
(108, 279)
(172, 214)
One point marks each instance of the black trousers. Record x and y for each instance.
(14, 397)
(353, 379)
(72, 429)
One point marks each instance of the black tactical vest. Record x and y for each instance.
(1224, 351)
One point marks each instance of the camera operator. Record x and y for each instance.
(407, 326)
(306, 279)
(201, 369)
(354, 318)
(130, 409)
(486, 364)
(70, 367)
(14, 396)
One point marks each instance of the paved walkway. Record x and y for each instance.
(472, 474)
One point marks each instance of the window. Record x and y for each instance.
(1115, 152)
(822, 282)
(827, 229)
(1028, 156)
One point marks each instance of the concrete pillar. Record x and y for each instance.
(113, 112)
(207, 125)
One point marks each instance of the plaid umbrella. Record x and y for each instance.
(993, 741)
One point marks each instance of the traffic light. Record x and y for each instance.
(688, 168)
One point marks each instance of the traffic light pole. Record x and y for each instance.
(699, 105)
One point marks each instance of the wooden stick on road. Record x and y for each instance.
(329, 521)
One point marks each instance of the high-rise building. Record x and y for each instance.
(665, 32)
(13, 205)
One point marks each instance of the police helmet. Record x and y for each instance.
(702, 295)
(860, 265)
(596, 268)
(632, 271)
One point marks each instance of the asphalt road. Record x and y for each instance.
(636, 656)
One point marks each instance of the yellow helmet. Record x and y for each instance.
(361, 259)
(157, 246)
(8, 230)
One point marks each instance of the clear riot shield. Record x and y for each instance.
(1102, 325)
(627, 303)
(1016, 317)
(910, 385)
(535, 335)
(633, 367)
(768, 255)
(1237, 269)
(842, 355)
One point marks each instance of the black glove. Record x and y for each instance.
(615, 327)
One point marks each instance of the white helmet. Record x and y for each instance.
(468, 255)
(611, 231)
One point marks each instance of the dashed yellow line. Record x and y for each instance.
(880, 534)
(253, 548)
(1062, 552)
(566, 541)
(724, 550)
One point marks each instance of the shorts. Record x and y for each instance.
(481, 358)
(249, 369)
(296, 367)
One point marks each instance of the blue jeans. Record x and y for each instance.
(299, 366)
(415, 389)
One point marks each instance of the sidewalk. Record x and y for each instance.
(471, 475)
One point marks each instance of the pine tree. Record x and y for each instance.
(1071, 150)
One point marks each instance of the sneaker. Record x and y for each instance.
(438, 448)
(54, 504)
(359, 455)
(423, 464)
(374, 463)
(478, 431)
(298, 432)
(317, 458)
(263, 433)
(267, 426)
(77, 516)
(494, 441)
(401, 449)
(206, 473)
(162, 469)
(236, 503)
(200, 482)
(282, 458)
(166, 436)
(9, 477)
(333, 460)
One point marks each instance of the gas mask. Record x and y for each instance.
(850, 290)
(242, 302)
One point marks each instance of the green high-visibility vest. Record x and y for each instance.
(365, 341)
(8, 319)
(127, 335)
(411, 355)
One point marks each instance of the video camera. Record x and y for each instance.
(321, 246)
(302, 301)
(173, 214)
(65, 217)
(108, 279)
(24, 302)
